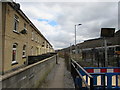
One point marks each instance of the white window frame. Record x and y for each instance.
(47, 46)
(37, 50)
(32, 50)
(14, 61)
(16, 21)
(36, 37)
(25, 26)
(43, 44)
(32, 35)
(24, 51)
(39, 40)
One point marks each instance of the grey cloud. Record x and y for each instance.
(92, 15)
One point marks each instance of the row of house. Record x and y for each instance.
(19, 38)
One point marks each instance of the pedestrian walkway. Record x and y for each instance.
(59, 77)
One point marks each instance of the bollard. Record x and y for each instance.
(56, 59)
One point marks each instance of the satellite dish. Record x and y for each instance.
(24, 31)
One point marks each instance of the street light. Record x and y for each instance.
(75, 38)
(75, 31)
(106, 33)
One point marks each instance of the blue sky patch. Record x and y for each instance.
(43, 20)
(50, 22)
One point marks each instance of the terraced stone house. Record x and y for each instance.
(19, 38)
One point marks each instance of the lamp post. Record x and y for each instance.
(105, 34)
(106, 53)
(75, 39)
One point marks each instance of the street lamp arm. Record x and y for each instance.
(79, 24)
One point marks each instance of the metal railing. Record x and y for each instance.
(95, 78)
(77, 73)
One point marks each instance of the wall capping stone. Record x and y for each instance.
(8, 75)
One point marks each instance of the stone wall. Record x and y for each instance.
(29, 77)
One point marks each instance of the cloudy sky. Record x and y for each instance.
(57, 20)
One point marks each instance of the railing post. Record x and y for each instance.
(71, 68)
(91, 84)
(80, 84)
(72, 71)
(117, 81)
(104, 82)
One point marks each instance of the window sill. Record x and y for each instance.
(24, 57)
(14, 62)
(16, 31)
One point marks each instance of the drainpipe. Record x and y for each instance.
(3, 33)
(27, 47)
(1, 36)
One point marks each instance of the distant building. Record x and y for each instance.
(92, 50)
(19, 38)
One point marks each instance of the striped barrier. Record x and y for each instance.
(111, 76)
(103, 70)
(95, 78)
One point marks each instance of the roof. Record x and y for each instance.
(93, 39)
(117, 33)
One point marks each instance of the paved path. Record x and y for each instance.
(59, 77)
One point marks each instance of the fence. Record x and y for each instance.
(95, 78)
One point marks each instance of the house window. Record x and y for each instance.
(36, 37)
(32, 35)
(24, 26)
(37, 50)
(24, 51)
(47, 46)
(14, 54)
(39, 41)
(43, 44)
(16, 23)
(32, 50)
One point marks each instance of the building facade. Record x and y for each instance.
(19, 38)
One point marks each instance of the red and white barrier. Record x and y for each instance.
(115, 70)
